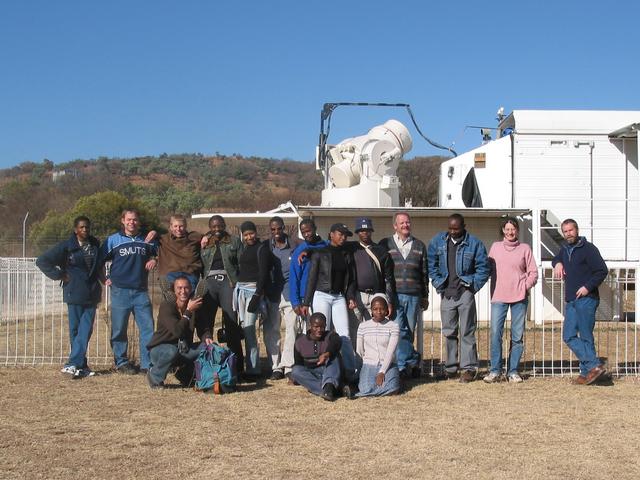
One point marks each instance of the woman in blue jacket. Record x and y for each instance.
(76, 263)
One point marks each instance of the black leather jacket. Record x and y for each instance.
(320, 275)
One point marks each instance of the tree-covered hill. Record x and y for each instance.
(166, 184)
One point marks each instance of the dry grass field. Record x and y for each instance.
(113, 426)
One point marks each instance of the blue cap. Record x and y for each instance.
(363, 223)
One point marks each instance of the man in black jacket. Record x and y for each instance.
(172, 343)
(254, 289)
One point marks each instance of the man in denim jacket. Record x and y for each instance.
(458, 267)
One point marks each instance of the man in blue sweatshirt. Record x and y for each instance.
(131, 259)
(299, 271)
(581, 266)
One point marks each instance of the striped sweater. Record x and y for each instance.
(410, 273)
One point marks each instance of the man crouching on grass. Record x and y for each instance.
(172, 343)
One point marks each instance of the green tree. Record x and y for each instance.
(54, 227)
(103, 208)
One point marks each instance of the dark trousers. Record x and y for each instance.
(314, 379)
(165, 356)
(219, 294)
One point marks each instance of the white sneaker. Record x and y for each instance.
(492, 377)
(515, 378)
(83, 372)
(69, 369)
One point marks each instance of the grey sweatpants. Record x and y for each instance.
(459, 316)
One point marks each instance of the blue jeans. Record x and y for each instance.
(498, 316)
(247, 321)
(125, 301)
(367, 384)
(577, 331)
(314, 379)
(334, 307)
(270, 329)
(406, 316)
(193, 280)
(164, 356)
(81, 319)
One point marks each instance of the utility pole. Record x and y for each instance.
(24, 235)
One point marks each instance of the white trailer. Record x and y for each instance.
(567, 164)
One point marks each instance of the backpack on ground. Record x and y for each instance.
(215, 370)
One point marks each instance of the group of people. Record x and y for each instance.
(351, 309)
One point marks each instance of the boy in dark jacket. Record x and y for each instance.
(76, 263)
(178, 255)
(253, 289)
(172, 342)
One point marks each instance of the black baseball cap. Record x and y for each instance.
(342, 228)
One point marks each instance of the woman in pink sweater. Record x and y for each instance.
(513, 273)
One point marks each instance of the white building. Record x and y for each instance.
(566, 164)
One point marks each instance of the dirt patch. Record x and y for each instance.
(113, 426)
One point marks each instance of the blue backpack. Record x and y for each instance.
(216, 369)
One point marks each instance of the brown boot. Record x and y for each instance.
(580, 380)
(594, 374)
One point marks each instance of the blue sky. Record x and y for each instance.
(123, 78)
